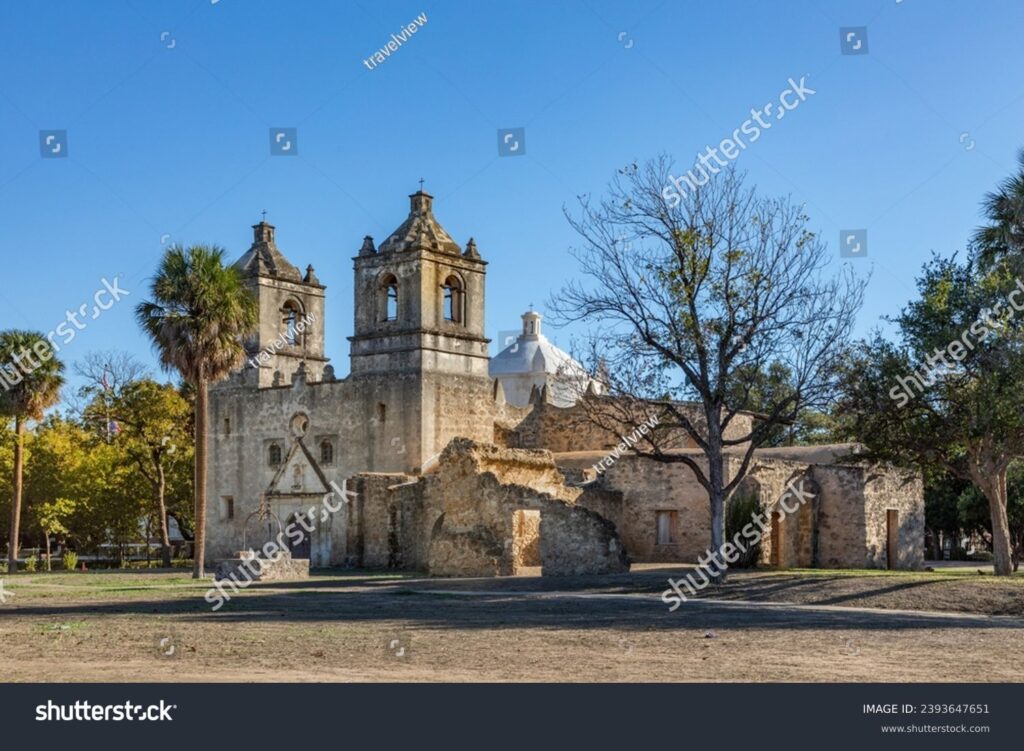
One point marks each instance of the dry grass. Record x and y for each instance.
(353, 626)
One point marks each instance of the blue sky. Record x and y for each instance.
(168, 107)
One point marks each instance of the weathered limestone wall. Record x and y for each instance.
(580, 427)
(464, 520)
(843, 522)
(456, 405)
(644, 488)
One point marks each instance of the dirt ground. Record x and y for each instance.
(364, 626)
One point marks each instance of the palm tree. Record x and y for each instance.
(198, 317)
(1004, 235)
(31, 382)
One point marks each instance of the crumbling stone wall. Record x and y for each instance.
(461, 520)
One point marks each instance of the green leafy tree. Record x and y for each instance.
(947, 397)
(154, 423)
(198, 317)
(763, 389)
(51, 517)
(73, 462)
(33, 383)
(942, 493)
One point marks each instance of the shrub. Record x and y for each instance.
(3, 567)
(70, 560)
(740, 511)
(31, 563)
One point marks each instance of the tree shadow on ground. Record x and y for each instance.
(442, 606)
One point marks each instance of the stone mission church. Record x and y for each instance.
(460, 464)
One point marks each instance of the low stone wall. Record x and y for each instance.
(252, 568)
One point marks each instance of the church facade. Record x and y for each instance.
(455, 463)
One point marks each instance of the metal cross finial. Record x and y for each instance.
(421, 185)
(264, 212)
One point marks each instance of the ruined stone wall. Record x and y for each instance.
(575, 541)
(461, 520)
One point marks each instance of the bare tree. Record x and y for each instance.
(691, 301)
(105, 375)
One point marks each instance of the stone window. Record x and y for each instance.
(227, 426)
(326, 452)
(454, 300)
(382, 412)
(290, 321)
(227, 508)
(274, 455)
(667, 531)
(389, 286)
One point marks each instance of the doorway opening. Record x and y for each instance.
(526, 558)
(777, 558)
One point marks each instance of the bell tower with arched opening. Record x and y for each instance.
(419, 342)
(291, 313)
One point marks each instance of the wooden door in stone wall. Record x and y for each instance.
(775, 541)
(892, 538)
(301, 549)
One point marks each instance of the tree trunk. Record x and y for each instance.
(165, 539)
(1002, 555)
(716, 496)
(19, 466)
(47, 535)
(199, 546)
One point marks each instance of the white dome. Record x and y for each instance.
(532, 360)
